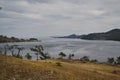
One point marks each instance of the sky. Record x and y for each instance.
(39, 18)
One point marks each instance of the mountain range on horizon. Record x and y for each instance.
(113, 34)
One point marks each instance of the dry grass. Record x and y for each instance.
(17, 69)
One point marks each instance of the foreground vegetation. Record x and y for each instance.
(12, 68)
(41, 55)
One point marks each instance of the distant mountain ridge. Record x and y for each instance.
(69, 36)
(113, 34)
(110, 35)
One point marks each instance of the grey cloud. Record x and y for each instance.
(59, 17)
(40, 1)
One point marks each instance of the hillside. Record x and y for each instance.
(4, 39)
(16, 69)
(110, 35)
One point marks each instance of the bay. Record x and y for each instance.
(95, 49)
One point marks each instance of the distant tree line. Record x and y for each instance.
(4, 39)
(10, 39)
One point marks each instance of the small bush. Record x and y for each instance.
(111, 60)
(58, 64)
(114, 72)
(85, 58)
(17, 56)
(28, 56)
(94, 60)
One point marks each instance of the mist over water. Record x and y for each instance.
(99, 50)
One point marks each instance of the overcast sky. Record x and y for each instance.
(38, 18)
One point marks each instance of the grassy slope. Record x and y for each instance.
(17, 69)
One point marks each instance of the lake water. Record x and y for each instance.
(99, 50)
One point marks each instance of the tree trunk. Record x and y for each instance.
(37, 56)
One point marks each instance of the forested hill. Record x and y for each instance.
(113, 34)
(14, 39)
(110, 35)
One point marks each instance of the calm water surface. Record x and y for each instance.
(99, 50)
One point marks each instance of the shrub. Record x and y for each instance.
(111, 60)
(58, 64)
(94, 60)
(85, 58)
(118, 60)
(114, 72)
(70, 56)
(17, 56)
(28, 56)
(61, 54)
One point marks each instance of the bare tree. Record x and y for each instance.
(70, 56)
(111, 60)
(12, 49)
(19, 50)
(118, 60)
(6, 48)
